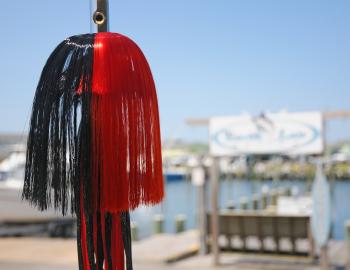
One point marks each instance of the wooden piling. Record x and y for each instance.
(255, 202)
(180, 223)
(134, 232)
(273, 197)
(264, 200)
(158, 222)
(243, 203)
(230, 205)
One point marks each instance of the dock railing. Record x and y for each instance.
(267, 229)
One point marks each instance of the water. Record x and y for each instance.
(181, 198)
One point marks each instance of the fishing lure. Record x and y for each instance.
(94, 146)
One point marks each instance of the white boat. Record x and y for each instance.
(17, 217)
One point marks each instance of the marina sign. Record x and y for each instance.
(272, 133)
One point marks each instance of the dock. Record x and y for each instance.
(173, 252)
(166, 248)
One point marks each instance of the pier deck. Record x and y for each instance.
(152, 253)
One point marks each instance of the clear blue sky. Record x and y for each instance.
(207, 57)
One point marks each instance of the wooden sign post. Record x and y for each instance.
(214, 178)
(321, 213)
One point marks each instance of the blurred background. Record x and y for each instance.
(272, 70)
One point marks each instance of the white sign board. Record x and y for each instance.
(272, 133)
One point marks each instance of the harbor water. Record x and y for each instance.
(181, 199)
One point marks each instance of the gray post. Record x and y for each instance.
(347, 228)
(99, 10)
(215, 211)
(324, 262)
(202, 217)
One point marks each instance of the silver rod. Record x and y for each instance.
(99, 16)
